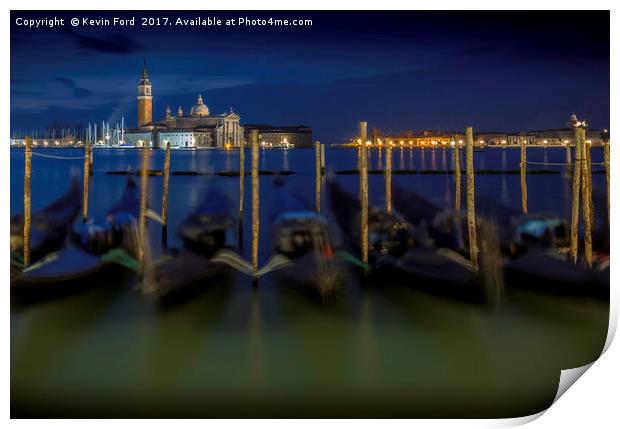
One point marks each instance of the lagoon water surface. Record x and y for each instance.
(385, 350)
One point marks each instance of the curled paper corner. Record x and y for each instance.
(568, 377)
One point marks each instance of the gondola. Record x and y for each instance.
(400, 251)
(209, 242)
(95, 252)
(533, 246)
(303, 237)
(49, 228)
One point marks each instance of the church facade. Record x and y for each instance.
(195, 130)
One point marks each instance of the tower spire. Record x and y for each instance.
(145, 73)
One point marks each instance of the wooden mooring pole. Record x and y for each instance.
(363, 133)
(86, 180)
(27, 200)
(317, 173)
(241, 178)
(322, 158)
(574, 225)
(471, 206)
(586, 197)
(144, 180)
(388, 177)
(607, 167)
(255, 199)
(457, 177)
(164, 196)
(523, 166)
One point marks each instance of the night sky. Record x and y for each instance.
(497, 71)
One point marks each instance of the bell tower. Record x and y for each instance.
(145, 99)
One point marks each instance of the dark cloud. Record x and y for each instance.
(72, 85)
(65, 81)
(82, 93)
(115, 44)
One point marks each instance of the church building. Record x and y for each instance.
(198, 129)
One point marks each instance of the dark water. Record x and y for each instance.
(385, 350)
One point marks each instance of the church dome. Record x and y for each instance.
(199, 109)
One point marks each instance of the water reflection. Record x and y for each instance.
(255, 338)
(193, 162)
(505, 194)
(367, 343)
(567, 168)
(285, 161)
(448, 194)
(228, 163)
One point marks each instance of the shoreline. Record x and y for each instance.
(336, 146)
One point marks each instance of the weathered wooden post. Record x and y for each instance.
(586, 197)
(363, 133)
(607, 167)
(471, 206)
(317, 170)
(86, 180)
(388, 177)
(241, 178)
(144, 180)
(322, 157)
(588, 159)
(574, 226)
(164, 197)
(457, 177)
(523, 166)
(27, 199)
(255, 199)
